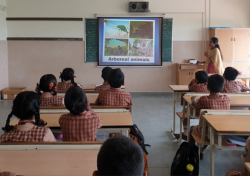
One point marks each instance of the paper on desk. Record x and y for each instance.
(236, 140)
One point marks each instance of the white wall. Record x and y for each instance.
(4, 82)
(191, 19)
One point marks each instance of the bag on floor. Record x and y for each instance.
(138, 134)
(186, 160)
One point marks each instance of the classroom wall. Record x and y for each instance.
(29, 60)
(4, 82)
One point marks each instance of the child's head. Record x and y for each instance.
(25, 106)
(201, 76)
(68, 74)
(116, 78)
(120, 155)
(105, 72)
(230, 73)
(47, 84)
(75, 100)
(215, 83)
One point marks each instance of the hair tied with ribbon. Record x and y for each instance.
(37, 88)
(72, 75)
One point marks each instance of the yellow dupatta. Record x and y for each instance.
(215, 57)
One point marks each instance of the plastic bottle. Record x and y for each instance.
(190, 169)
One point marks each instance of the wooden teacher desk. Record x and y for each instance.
(229, 124)
(236, 100)
(110, 121)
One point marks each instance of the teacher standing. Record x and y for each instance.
(214, 58)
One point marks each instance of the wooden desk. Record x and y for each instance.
(91, 97)
(247, 165)
(225, 125)
(90, 87)
(49, 162)
(177, 91)
(110, 121)
(236, 100)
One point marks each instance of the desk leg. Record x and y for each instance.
(203, 135)
(247, 82)
(211, 151)
(181, 120)
(188, 122)
(125, 132)
(173, 129)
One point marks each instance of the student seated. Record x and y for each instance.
(120, 155)
(30, 127)
(114, 96)
(199, 84)
(79, 124)
(105, 85)
(214, 101)
(67, 78)
(232, 86)
(48, 86)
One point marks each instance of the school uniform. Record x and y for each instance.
(213, 101)
(197, 87)
(27, 131)
(80, 127)
(52, 101)
(234, 87)
(64, 86)
(114, 97)
(104, 86)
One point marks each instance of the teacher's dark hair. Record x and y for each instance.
(215, 40)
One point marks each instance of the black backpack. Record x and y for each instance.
(137, 133)
(186, 154)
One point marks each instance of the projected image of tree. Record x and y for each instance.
(116, 47)
(141, 30)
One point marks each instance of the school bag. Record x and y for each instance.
(134, 130)
(186, 154)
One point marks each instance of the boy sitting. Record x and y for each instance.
(199, 84)
(114, 96)
(120, 155)
(232, 86)
(105, 85)
(214, 101)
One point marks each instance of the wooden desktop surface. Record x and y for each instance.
(108, 119)
(235, 124)
(247, 166)
(92, 98)
(93, 86)
(235, 101)
(179, 88)
(49, 162)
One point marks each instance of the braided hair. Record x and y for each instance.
(215, 40)
(25, 106)
(47, 84)
(68, 74)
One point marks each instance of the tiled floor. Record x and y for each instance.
(152, 112)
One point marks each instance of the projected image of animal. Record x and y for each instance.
(116, 47)
(141, 29)
(116, 29)
(141, 48)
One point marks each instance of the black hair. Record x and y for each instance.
(120, 155)
(75, 100)
(215, 83)
(68, 74)
(25, 106)
(115, 78)
(215, 40)
(47, 84)
(105, 72)
(231, 73)
(201, 76)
